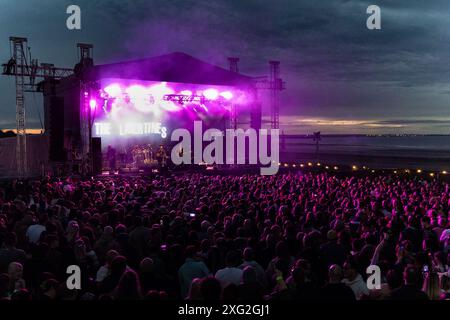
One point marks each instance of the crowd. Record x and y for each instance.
(305, 236)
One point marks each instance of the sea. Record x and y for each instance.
(382, 151)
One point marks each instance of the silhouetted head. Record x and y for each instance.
(210, 289)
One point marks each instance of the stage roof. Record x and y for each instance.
(174, 67)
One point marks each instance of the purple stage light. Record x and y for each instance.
(204, 107)
(138, 97)
(211, 94)
(186, 93)
(160, 90)
(93, 103)
(113, 90)
(227, 95)
(136, 92)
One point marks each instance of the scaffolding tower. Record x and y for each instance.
(19, 56)
(233, 113)
(25, 75)
(275, 88)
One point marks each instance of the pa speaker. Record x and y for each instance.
(56, 129)
(97, 155)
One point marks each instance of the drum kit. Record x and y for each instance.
(142, 156)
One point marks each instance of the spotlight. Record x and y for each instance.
(431, 174)
(302, 165)
(309, 164)
(444, 172)
(354, 167)
(211, 94)
(335, 168)
(318, 164)
(93, 103)
(227, 95)
(419, 171)
(113, 90)
(186, 93)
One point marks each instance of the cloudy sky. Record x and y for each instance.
(340, 76)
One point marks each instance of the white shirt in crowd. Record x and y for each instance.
(34, 232)
(229, 275)
(358, 285)
(102, 273)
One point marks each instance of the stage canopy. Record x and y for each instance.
(174, 67)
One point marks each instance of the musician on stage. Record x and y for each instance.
(161, 156)
(111, 156)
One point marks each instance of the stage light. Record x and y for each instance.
(444, 172)
(136, 91)
(211, 94)
(158, 91)
(354, 167)
(395, 171)
(227, 95)
(318, 164)
(302, 165)
(419, 171)
(186, 93)
(335, 168)
(138, 95)
(113, 90)
(326, 167)
(286, 165)
(93, 103)
(373, 171)
(431, 174)
(309, 164)
(294, 165)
